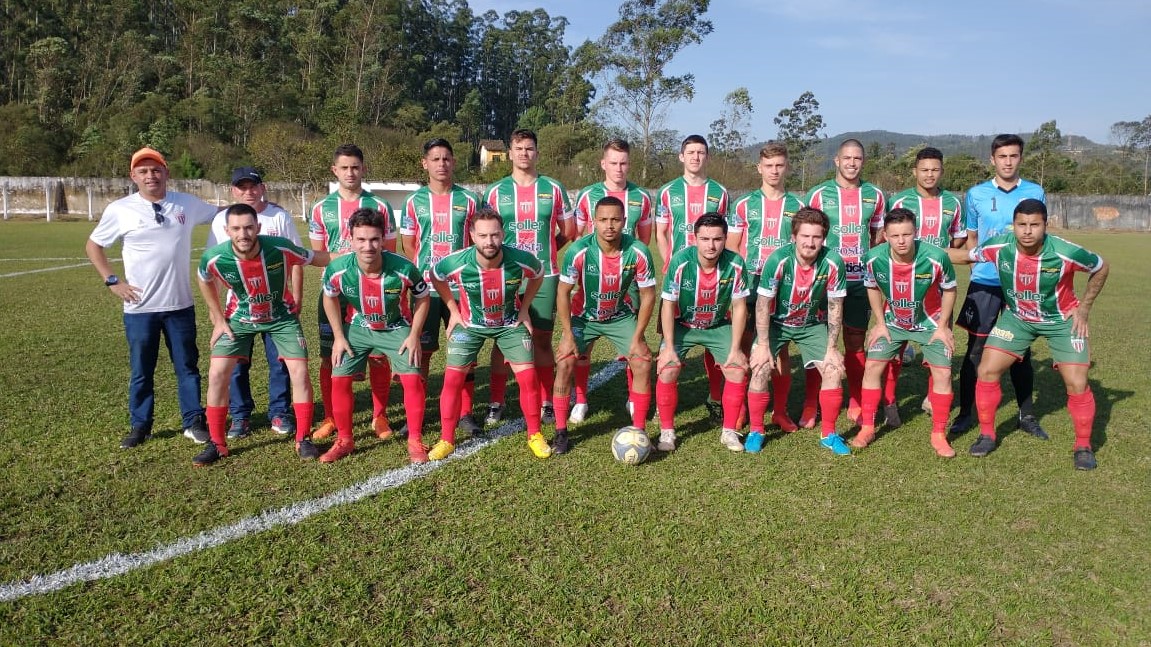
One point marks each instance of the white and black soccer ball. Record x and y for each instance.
(630, 445)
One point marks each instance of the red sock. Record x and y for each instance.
(468, 395)
(780, 387)
(450, 403)
(415, 402)
(812, 383)
(940, 410)
(869, 405)
(304, 412)
(853, 362)
(666, 400)
(528, 381)
(343, 402)
(582, 374)
(1082, 409)
(381, 379)
(890, 377)
(734, 394)
(640, 404)
(326, 388)
(546, 381)
(757, 409)
(987, 396)
(499, 385)
(217, 424)
(563, 405)
(830, 401)
(714, 377)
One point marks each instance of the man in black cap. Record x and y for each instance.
(248, 188)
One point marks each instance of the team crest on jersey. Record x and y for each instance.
(929, 222)
(696, 209)
(526, 205)
(492, 294)
(527, 342)
(1078, 344)
(851, 210)
(1026, 279)
(902, 286)
(707, 294)
(770, 222)
(372, 302)
(254, 283)
(610, 279)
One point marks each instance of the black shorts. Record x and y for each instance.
(981, 309)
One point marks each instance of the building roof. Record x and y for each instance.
(493, 145)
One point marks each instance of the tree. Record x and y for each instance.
(1135, 137)
(1043, 146)
(799, 129)
(730, 131)
(637, 49)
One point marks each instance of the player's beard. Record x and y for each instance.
(489, 253)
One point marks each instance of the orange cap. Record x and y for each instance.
(148, 154)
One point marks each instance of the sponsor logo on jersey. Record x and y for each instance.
(676, 201)
(261, 298)
(506, 200)
(880, 276)
(528, 225)
(1000, 333)
(688, 285)
(753, 213)
(1049, 270)
(927, 275)
(712, 199)
(421, 211)
(180, 217)
(903, 303)
(442, 237)
(231, 277)
(853, 228)
(1025, 295)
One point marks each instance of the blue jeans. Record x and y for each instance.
(143, 331)
(240, 403)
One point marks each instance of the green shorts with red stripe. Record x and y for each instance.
(464, 344)
(1014, 337)
(287, 334)
(934, 354)
(366, 343)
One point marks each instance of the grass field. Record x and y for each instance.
(891, 546)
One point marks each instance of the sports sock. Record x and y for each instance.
(450, 403)
(870, 405)
(1081, 406)
(582, 374)
(563, 405)
(499, 384)
(714, 377)
(780, 387)
(853, 362)
(757, 402)
(734, 394)
(415, 402)
(304, 412)
(468, 395)
(217, 423)
(381, 380)
(812, 384)
(890, 378)
(326, 387)
(546, 380)
(528, 382)
(830, 401)
(666, 400)
(987, 396)
(343, 402)
(940, 410)
(640, 404)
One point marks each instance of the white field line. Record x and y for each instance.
(46, 269)
(119, 564)
(47, 258)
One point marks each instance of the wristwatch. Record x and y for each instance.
(111, 280)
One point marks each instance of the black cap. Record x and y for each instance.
(246, 173)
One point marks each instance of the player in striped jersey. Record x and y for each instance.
(537, 219)
(255, 269)
(328, 231)
(599, 272)
(639, 216)
(434, 223)
(1037, 271)
(704, 304)
(911, 288)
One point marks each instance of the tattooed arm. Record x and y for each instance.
(834, 328)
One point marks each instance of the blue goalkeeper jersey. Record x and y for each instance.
(989, 211)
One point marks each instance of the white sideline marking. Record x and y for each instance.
(119, 564)
(46, 269)
(48, 258)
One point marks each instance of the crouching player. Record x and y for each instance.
(255, 269)
(379, 288)
(796, 282)
(486, 278)
(704, 304)
(902, 277)
(598, 272)
(1037, 274)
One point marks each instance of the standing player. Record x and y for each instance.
(537, 218)
(328, 231)
(378, 287)
(911, 288)
(939, 221)
(704, 304)
(989, 207)
(855, 209)
(256, 270)
(599, 272)
(248, 188)
(156, 227)
(639, 215)
(798, 279)
(434, 224)
(679, 204)
(1041, 302)
(486, 288)
(762, 219)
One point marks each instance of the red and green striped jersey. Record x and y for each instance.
(439, 223)
(258, 288)
(937, 220)
(377, 302)
(800, 293)
(703, 298)
(602, 281)
(532, 214)
(854, 212)
(329, 220)
(910, 290)
(766, 225)
(1038, 289)
(679, 205)
(637, 203)
(488, 298)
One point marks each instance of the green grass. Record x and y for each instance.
(892, 546)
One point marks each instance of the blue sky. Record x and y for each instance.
(978, 67)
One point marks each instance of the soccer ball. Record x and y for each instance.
(631, 445)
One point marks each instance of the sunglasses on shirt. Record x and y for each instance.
(159, 212)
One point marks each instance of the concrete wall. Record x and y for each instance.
(1100, 212)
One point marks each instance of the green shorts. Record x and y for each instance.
(543, 307)
(367, 343)
(716, 339)
(465, 343)
(934, 354)
(811, 340)
(856, 307)
(619, 331)
(1014, 337)
(287, 334)
(438, 316)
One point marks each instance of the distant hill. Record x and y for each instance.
(978, 146)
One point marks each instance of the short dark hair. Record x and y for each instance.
(810, 216)
(898, 215)
(711, 219)
(437, 142)
(1006, 139)
(693, 139)
(520, 134)
(617, 144)
(486, 213)
(1030, 207)
(240, 209)
(929, 153)
(348, 150)
(609, 201)
(851, 142)
(367, 218)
